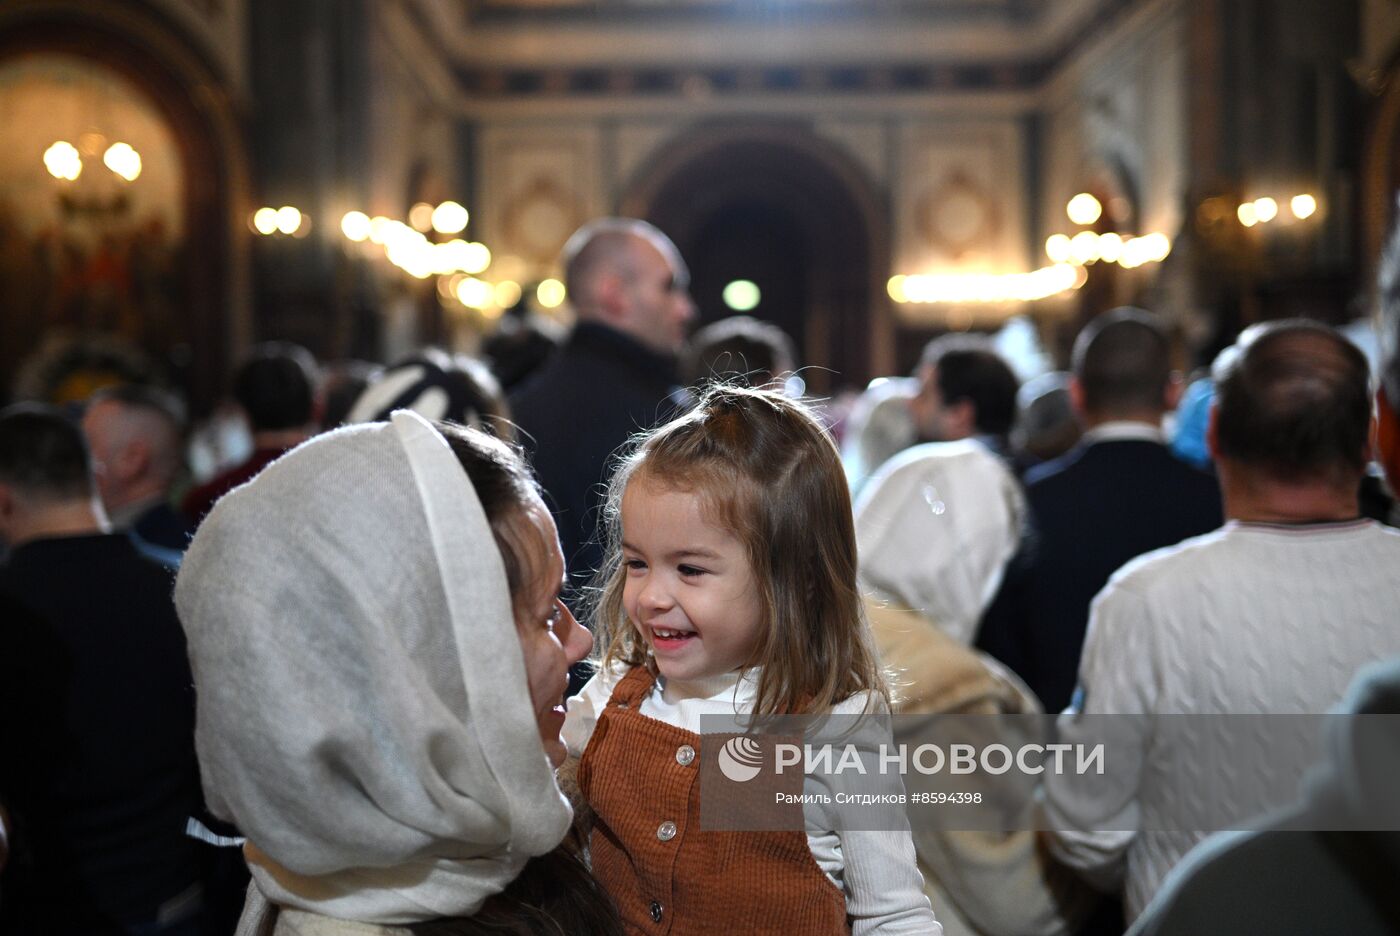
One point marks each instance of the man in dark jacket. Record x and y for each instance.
(1119, 494)
(614, 376)
(96, 705)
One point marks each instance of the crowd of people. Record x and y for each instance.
(436, 652)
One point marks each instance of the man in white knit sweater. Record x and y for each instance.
(1271, 614)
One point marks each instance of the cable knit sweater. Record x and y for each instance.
(1251, 619)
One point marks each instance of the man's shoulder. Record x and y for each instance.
(580, 375)
(961, 454)
(1169, 566)
(73, 578)
(1129, 458)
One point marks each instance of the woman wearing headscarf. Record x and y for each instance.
(380, 656)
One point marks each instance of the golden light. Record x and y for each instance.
(1248, 214)
(449, 218)
(1084, 209)
(1084, 247)
(1110, 247)
(62, 161)
(415, 260)
(550, 293)
(265, 220)
(379, 227)
(123, 160)
(1303, 206)
(1265, 209)
(474, 293)
(896, 288)
(507, 293)
(1156, 246)
(355, 226)
(492, 312)
(988, 287)
(288, 219)
(475, 257)
(1057, 248)
(420, 216)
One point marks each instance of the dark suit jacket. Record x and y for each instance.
(1091, 511)
(97, 721)
(163, 526)
(600, 389)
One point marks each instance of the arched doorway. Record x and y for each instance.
(780, 207)
(164, 80)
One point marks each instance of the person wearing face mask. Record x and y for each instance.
(380, 656)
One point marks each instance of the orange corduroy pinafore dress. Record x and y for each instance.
(640, 777)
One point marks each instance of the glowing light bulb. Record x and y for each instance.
(550, 293)
(1110, 247)
(1304, 206)
(742, 295)
(1084, 247)
(355, 226)
(63, 161)
(421, 217)
(288, 219)
(265, 220)
(896, 288)
(449, 218)
(1248, 214)
(475, 257)
(507, 293)
(1057, 248)
(1265, 209)
(475, 293)
(1157, 246)
(1084, 209)
(123, 160)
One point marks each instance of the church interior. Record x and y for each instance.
(184, 178)
(348, 346)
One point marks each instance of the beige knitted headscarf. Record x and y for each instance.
(363, 711)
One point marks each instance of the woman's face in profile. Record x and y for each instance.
(550, 639)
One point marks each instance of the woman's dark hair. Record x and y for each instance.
(503, 484)
(555, 895)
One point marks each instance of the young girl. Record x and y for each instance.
(730, 587)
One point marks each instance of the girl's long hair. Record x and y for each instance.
(768, 472)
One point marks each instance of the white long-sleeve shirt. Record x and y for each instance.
(877, 871)
(1253, 619)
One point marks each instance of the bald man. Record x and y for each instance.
(1330, 862)
(1272, 614)
(134, 435)
(614, 375)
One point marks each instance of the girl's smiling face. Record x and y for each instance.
(690, 589)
